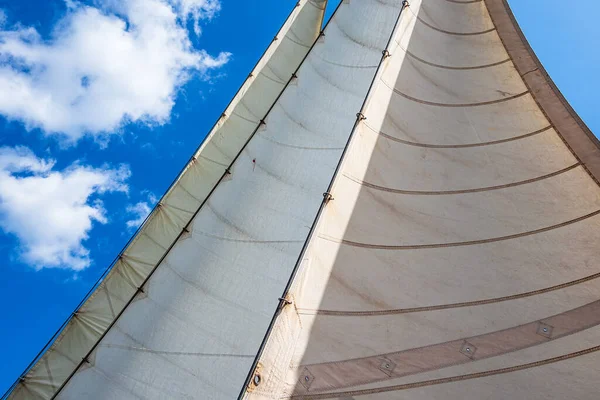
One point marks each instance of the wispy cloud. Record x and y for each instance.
(140, 211)
(122, 61)
(52, 212)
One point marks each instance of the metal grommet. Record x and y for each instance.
(256, 380)
(545, 330)
(468, 349)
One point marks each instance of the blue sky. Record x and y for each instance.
(46, 155)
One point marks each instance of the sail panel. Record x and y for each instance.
(199, 322)
(457, 257)
(179, 204)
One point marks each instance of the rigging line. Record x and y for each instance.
(456, 378)
(451, 105)
(457, 146)
(325, 200)
(396, 311)
(458, 244)
(463, 191)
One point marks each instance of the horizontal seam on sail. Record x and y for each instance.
(457, 146)
(386, 4)
(456, 378)
(462, 191)
(340, 313)
(353, 40)
(345, 65)
(327, 80)
(458, 244)
(451, 67)
(431, 103)
(246, 240)
(182, 187)
(243, 104)
(294, 121)
(177, 208)
(272, 79)
(207, 291)
(298, 147)
(453, 33)
(176, 353)
(213, 161)
(581, 322)
(464, 2)
(295, 41)
(166, 359)
(154, 241)
(244, 118)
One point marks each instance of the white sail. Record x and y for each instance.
(453, 254)
(458, 258)
(194, 331)
(174, 213)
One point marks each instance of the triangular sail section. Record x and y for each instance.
(458, 258)
(168, 223)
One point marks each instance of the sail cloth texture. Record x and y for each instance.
(142, 358)
(458, 258)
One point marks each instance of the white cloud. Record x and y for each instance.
(104, 66)
(197, 10)
(140, 211)
(52, 212)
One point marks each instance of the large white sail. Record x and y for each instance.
(453, 254)
(168, 221)
(195, 329)
(458, 258)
